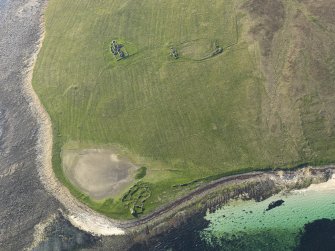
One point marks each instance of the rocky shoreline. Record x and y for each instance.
(254, 185)
(90, 221)
(29, 204)
(26, 207)
(24, 201)
(257, 186)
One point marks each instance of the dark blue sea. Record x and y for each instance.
(304, 220)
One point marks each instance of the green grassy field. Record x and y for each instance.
(186, 119)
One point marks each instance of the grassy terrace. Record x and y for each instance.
(188, 119)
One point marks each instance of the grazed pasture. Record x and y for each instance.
(187, 120)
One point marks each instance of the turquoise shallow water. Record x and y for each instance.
(249, 224)
(300, 224)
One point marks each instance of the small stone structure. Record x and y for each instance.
(174, 53)
(217, 50)
(118, 50)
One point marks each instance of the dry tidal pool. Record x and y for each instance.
(100, 173)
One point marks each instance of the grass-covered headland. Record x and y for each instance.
(239, 95)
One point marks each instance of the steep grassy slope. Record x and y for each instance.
(266, 101)
(297, 47)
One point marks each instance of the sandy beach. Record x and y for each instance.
(78, 214)
(326, 186)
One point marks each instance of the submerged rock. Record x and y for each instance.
(275, 204)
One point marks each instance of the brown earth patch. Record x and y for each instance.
(268, 16)
(296, 41)
(100, 173)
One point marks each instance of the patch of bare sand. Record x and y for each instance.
(326, 186)
(77, 213)
(100, 173)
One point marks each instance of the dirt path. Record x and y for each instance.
(288, 177)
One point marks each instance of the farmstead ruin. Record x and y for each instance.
(118, 50)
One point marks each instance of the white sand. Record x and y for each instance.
(77, 213)
(326, 186)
